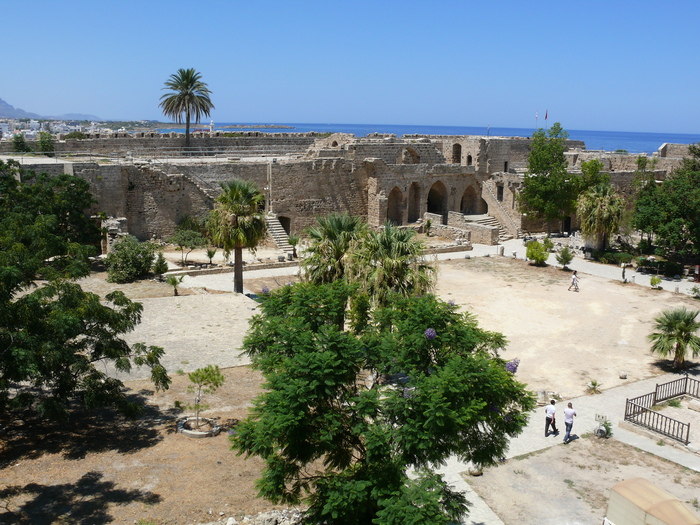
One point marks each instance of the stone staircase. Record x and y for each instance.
(488, 220)
(276, 231)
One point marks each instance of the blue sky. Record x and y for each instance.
(596, 65)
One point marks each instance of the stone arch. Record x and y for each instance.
(334, 144)
(414, 202)
(394, 208)
(472, 203)
(409, 156)
(437, 199)
(469, 160)
(456, 153)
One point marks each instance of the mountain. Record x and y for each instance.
(8, 111)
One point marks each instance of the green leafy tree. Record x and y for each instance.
(330, 241)
(75, 135)
(45, 144)
(678, 225)
(390, 261)
(187, 240)
(535, 251)
(237, 222)
(188, 97)
(675, 334)
(55, 339)
(549, 192)
(204, 381)
(600, 211)
(211, 252)
(343, 444)
(592, 175)
(19, 143)
(129, 260)
(646, 199)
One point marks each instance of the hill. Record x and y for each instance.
(9, 111)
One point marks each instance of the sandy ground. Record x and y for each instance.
(97, 473)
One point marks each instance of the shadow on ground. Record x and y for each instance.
(28, 436)
(84, 502)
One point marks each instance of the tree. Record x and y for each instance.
(174, 281)
(45, 144)
(646, 199)
(129, 260)
(390, 261)
(56, 339)
(237, 222)
(675, 334)
(678, 225)
(160, 266)
(330, 240)
(536, 252)
(187, 240)
(204, 381)
(600, 211)
(343, 444)
(565, 256)
(19, 144)
(188, 96)
(549, 192)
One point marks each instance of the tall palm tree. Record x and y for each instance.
(391, 260)
(189, 96)
(237, 222)
(331, 239)
(600, 211)
(675, 334)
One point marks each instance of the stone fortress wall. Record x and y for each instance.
(453, 180)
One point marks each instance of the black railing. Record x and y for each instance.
(639, 409)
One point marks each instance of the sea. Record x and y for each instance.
(630, 142)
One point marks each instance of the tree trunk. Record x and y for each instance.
(238, 270)
(187, 129)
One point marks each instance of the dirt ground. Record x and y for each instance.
(106, 470)
(570, 484)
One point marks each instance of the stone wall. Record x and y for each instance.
(478, 233)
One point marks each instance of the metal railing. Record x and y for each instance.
(664, 425)
(639, 411)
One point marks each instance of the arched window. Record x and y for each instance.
(437, 199)
(456, 153)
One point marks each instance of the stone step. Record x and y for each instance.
(278, 234)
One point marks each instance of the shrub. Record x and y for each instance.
(75, 135)
(19, 144)
(645, 247)
(45, 144)
(536, 252)
(129, 260)
(548, 244)
(655, 281)
(615, 258)
(161, 265)
(565, 256)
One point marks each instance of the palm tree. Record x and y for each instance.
(237, 222)
(330, 241)
(391, 260)
(600, 210)
(188, 96)
(675, 334)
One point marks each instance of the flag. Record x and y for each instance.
(536, 113)
(546, 114)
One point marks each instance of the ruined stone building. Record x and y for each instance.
(465, 185)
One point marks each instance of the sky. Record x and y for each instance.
(597, 65)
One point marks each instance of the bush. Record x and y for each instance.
(19, 144)
(615, 258)
(645, 247)
(537, 253)
(161, 265)
(45, 144)
(655, 282)
(565, 256)
(548, 244)
(75, 135)
(129, 260)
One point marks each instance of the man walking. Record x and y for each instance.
(550, 419)
(569, 414)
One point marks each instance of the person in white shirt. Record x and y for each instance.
(569, 414)
(550, 419)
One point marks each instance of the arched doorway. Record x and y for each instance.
(456, 153)
(472, 203)
(286, 223)
(394, 207)
(414, 202)
(437, 200)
